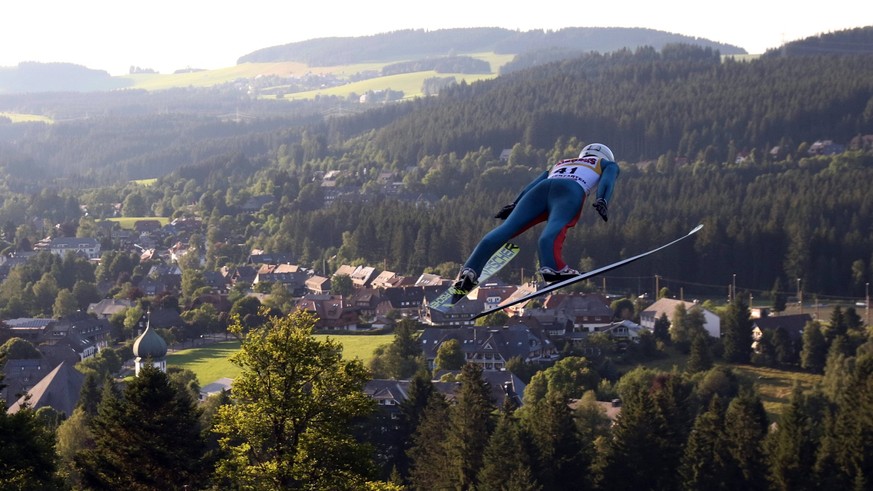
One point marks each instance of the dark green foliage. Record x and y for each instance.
(469, 427)
(700, 358)
(561, 457)
(707, 463)
(662, 328)
(402, 358)
(745, 426)
(736, 328)
(815, 348)
(791, 448)
(649, 436)
(507, 464)
(27, 451)
(844, 458)
(428, 455)
(149, 436)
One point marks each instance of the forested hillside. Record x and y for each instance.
(418, 43)
(726, 143)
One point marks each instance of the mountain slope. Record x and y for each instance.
(412, 44)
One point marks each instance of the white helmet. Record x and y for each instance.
(597, 150)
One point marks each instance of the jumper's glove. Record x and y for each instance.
(600, 206)
(505, 211)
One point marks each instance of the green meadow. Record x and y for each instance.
(127, 223)
(212, 362)
(410, 83)
(26, 118)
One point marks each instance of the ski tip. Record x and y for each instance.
(696, 229)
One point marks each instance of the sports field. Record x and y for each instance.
(212, 361)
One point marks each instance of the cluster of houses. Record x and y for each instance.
(532, 334)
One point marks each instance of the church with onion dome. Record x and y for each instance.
(150, 348)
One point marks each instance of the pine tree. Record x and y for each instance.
(561, 456)
(649, 436)
(736, 327)
(845, 459)
(149, 436)
(745, 426)
(778, 297)
(700, 359)
(792, 447)
(412, 410)
(427, 455)
(405, 350)
(507, 465)
(470, 425)
(707, 463)
(814, 352)
(89, 395)
(783, 347)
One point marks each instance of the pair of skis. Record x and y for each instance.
(557, 285)
(498, 260)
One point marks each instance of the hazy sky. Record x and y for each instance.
(167, 35)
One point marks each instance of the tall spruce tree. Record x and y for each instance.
(649, 436)
(791, 448)
(412, 410)
(745, 426)
(813, 355)
(700, 358)
(706, 462)
(736, 328)
(845, 459)
(147, 437)
(428, 457)
(562, 457)
(470, 424)
(507, 463)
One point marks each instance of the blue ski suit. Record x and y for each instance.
(556, 196)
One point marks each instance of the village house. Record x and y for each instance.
(332, 311)
(491, 347)
(406, 300)
(460, 315)
(589, 312)
(667, 306)
(59, 390)
(318, 285)
(390, 394)
(106, 308)
(88, 247)
(793, 326)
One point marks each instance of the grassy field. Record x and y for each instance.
(128, 222)
(26, 118)
(212, 362)
(410, 83)
(774, 385)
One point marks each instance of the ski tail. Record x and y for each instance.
(584, 276)
(495, 263)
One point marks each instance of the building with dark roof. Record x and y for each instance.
(59, 390)
(491, 347)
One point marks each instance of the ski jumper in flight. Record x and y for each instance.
(556, 197)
